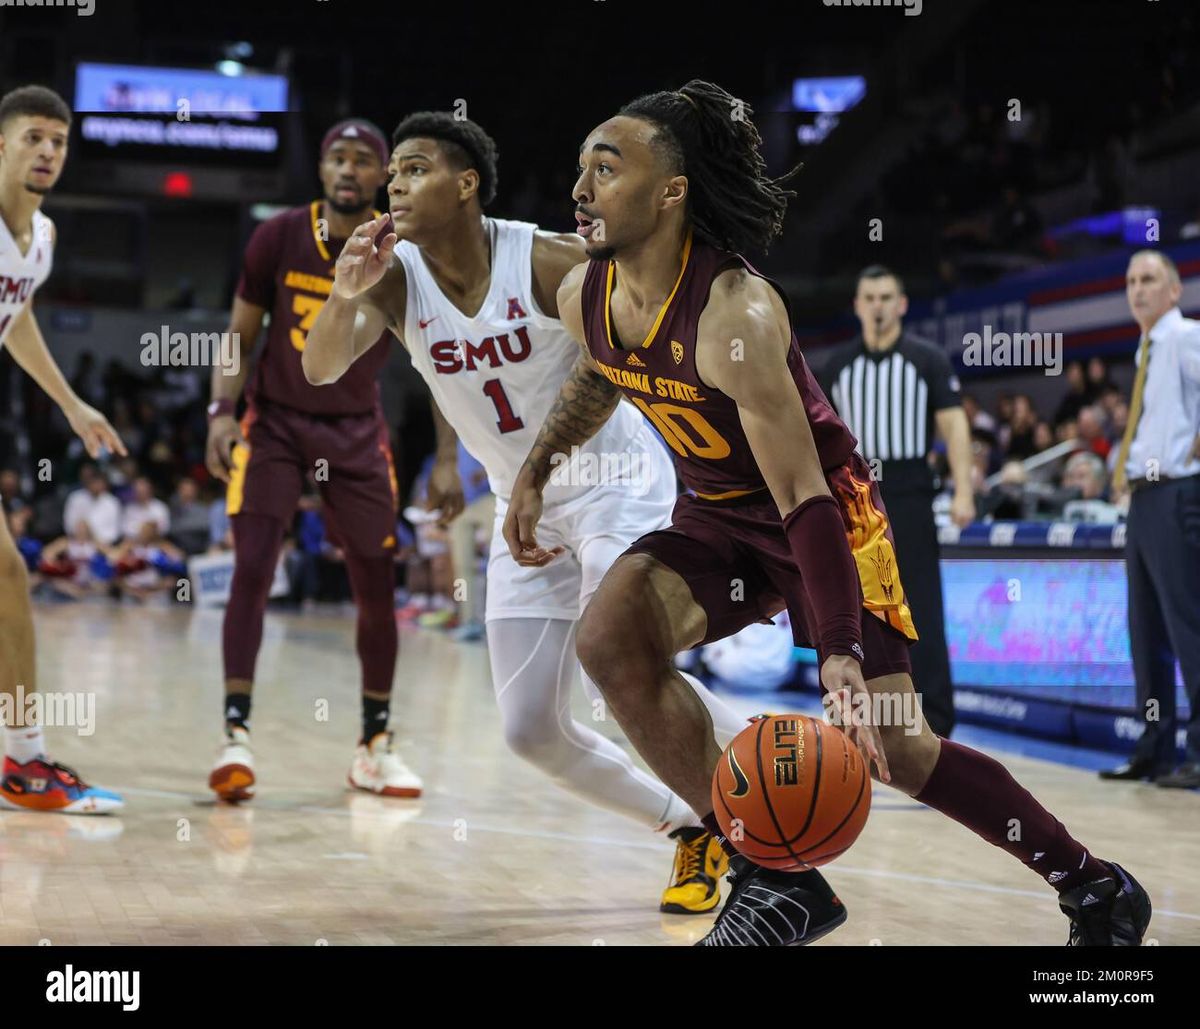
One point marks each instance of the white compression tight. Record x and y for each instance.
(533, 670)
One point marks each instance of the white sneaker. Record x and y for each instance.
(232, 777)
(379, 769)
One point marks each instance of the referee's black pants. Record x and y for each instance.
(910, 511)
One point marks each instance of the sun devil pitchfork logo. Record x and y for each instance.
(883, 568)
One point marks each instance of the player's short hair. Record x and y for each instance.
(1170, 265)
(879, 271)
(463, 141)
(707, 134)
(33, 102)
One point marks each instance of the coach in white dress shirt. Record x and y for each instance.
(1158, 465)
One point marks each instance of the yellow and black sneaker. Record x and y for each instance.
(700, 861)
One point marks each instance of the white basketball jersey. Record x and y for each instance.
(21, 275)
(496, 375)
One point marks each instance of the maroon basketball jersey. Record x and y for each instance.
(700, 424)
(288, 269)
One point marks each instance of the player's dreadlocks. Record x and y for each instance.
(707, 135)
(464, 142)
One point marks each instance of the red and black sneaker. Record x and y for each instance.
(41, 785)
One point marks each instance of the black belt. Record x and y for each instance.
(1140, 484)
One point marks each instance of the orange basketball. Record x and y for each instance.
(791, 792)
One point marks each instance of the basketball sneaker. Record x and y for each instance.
(41, 785)
(1107, 913)
(700, 861)
(377, 768)
(232, 777)
(767, 908)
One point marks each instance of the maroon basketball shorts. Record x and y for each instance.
(348, 457)
(735, 558)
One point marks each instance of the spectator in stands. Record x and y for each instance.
(1016, 226)
(1020, 443)
(121, 477)
(1004, 410)
(470, 534)
(11, 496)
(147, 563)
(87, 382)
(1077, 394)
(220, 532)
(94, 504)
(1086, 472)
(977, 417)
(1118, 423)
(1098, 380)
(76, 565)
(985, 456)
(1091, 431)
(144, 507)
(1043, 437)
(1066, 430)
(1158, 465)
(1006, 500)
(189, 518)
(19, 517)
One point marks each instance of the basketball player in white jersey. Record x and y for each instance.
(473, 298)
(34, 124)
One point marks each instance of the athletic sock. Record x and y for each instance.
(375, 715)
(979, 793)
(237, 710)
(677, 815)
(25, 744)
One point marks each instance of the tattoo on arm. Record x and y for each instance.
(584, 404)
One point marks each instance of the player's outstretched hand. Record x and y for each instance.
(223, 436)
(520, 528)
(361, 263)
(92, 427)
(849, 701)
(444, 493)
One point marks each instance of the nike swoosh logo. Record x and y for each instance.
(743, 784)
(422, 322)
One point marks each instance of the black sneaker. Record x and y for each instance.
(1107, 913)
(766, 908)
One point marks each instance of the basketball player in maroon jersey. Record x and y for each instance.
(291, 429)
(782, 511)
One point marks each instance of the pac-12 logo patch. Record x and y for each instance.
(677, 351)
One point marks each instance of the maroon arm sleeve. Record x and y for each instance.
(260, 264)
(818, 542)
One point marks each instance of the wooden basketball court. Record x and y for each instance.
(494, 853)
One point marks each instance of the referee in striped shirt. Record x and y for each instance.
(893, 390)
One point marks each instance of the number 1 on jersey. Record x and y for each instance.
(506, 420)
